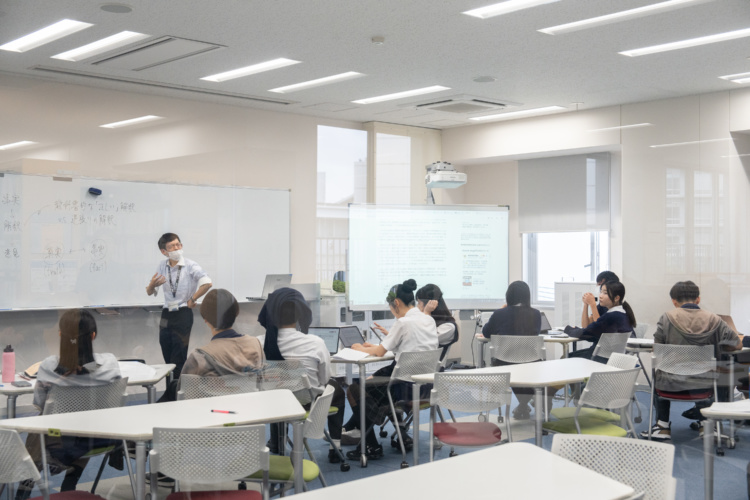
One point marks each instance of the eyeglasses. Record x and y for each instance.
(175, 245)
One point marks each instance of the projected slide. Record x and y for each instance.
(462, 248)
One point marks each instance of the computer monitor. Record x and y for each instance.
(330, 336)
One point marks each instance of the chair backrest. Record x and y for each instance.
(317, 417)
(474, 392)
(68, 399)
(640, 330)
(198, 386)
(610, 343)
(415, 363)
(209, 455)
(610, 389)
(644, 465)
(622, 361)
(517, 348)
(287, 374)
(15, 462)
(684, 359)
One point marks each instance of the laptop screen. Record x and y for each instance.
(545, 324)
(350, 335)
(329, 335)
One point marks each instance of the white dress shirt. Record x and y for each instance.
(191, 275)
(310, 350)
(415, 331)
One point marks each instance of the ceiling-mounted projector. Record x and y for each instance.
(442, 175)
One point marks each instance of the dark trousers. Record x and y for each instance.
(174, 336)
(587, 354)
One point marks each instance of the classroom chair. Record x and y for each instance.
(69, 399)
(16, 465)
(517, 349)
(645, 466)
(610, 343)
(604, 390)
(469, 392)
(198, 386)
(210, 456)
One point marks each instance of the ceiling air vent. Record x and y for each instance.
(154, 53)
(464, 104)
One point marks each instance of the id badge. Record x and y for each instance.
(173, 305)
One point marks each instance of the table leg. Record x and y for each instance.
(10, 406)
(415, 420)
(140, 472)
(566, 350)
(708, 458)
(538, 404)
(297, 456)
(151, 393)
(362, 409)
(481, 354)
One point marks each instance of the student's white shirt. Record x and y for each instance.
(445, 333)
(310, 350)
(416, 331)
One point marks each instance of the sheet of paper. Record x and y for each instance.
(350, 355)
(136, 371)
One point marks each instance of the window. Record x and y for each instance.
(342, 179)
(569, 256)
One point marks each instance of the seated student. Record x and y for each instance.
(283, 313)
(589, 301)
(516, 317)
(412, 331)
(686, 324)
(618, 318)
(228, 352)
(430, 301)
(77, 365)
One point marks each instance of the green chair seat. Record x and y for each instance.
(331, 411)
(99, 451)
(588, 426)
(282, 470)
(597, 413)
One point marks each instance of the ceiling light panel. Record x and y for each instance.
(506, 7)
(738, 78)
(132, 121)
(349, 75)
(691, 42)
(250, 70)
(45, 35)
(688, 143)
(401, 95)
(624, 15)
(100, 46)
(14, 145)
(517, 114)
(623, 127)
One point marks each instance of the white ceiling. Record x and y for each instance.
(427, 43)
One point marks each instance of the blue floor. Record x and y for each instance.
(730, 470)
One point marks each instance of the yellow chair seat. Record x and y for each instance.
(588, 426)
(331, 411)
(597, 413)
(282, 470)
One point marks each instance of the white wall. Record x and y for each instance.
(639, 225)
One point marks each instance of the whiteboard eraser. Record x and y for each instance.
(95, 192)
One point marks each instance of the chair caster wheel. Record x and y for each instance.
(345, 467)
(638, 420)
(363, 461)
(731, 444)
(720, 452)
(482, 417)
(404, 465)
(545, 432)
(383, 433)
(500, 419)
(242, 486)
(453, 454)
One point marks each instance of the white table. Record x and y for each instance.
(136, 423)
(515, 470)
(537, 375)
(738, 410)
(146, 380)
(548, 339)
(362, 364)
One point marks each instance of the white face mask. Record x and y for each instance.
(175, 255)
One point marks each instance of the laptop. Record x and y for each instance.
(350, 335)
(546, 327)
(330, 336)
(273, 282)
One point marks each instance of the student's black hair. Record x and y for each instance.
(518, 293)
(617, 289)
(685, 291)
(404, 291)
(287, 314)
(606, 276)
(220, 308)
(76, 335)
(166, 238)
(441, 314)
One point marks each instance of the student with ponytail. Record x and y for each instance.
(77, 365)
(618, 318)
(412, 331)
(430, 301)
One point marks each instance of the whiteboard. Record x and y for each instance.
(61, 246)
(461, 248)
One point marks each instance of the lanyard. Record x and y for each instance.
(177, 283)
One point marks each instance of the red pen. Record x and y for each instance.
(222, 411)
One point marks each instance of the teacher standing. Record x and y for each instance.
(185, 282)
